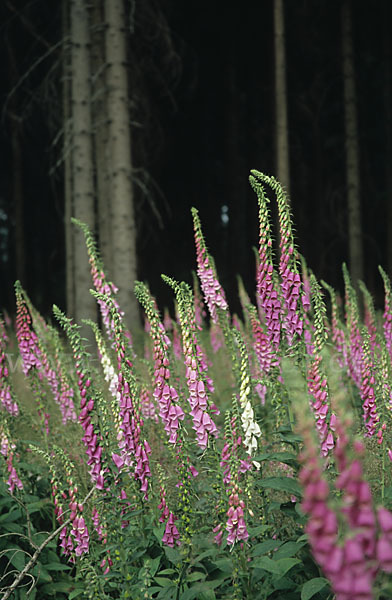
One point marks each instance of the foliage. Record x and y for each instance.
(221, 456)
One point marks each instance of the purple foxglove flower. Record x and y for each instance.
(385, 521)
(384, 553)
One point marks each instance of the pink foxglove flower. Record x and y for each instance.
(267, 293)
(233, 468)
(317, 387)
(165, 394)
(27, 338)
(171, 535)
(7, 400)
(7, 448)
(214, 295)
(80, 532)
(367, 389)
(236, 525)
(387, 324)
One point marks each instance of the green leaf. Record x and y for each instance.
(12, 527)
(153, 568)
(224, 564)
(284, 583)
(158, 532)
(168, 592)
(284, 457)
(282, 484)
(285, 564)
(207, 595)
(310, 588)
(75, 593)
(167, 572)
(163, 581)
(199, 588)
(265, 547)
(195, 576)
(57, 567)
(197, 559)
(17, 558)
(278, 567)
(254, 531)
(37, 506)
(291, 438)
(289, 549)
(42, 574)
(11, 516)
(173, 555)
(266, 563)
(60, 586)
(153, 589)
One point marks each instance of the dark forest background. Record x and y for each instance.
(203, 110)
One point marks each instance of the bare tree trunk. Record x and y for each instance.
(82, 157)
(235, 184)
(352, 149)
(282, 134)
(388, 135)
(100, 128)
(120, 166)
(68, 203)
(17, 171)
(17, 200)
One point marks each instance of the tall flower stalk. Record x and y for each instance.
(387, 324)
(100, 281)
(214, 295)
(31, 355)
(89, 396)
(368, 384)
(7, 398)
(317, 380)
(370, 317)
(292, 297)
(196, 367)
(7, 450)
(354, 347)
(165, 393)
(337, 332)
(267, 295)
(233, 467)
(250, 428)
(134, 449)
(353, 550)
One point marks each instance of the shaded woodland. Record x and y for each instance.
(202, 111)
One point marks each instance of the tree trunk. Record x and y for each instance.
(388, 136)
(82, 158)
(17, 170)
(100, 128)
(282, 134)
(68, 200)
(235, 184)
(352, 149)
(17, 201)
(120, 163)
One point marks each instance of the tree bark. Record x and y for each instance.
(17, 170)
(82, 158)
(352, 148)
(123, 227)
(100, 128)
(68, 200)
(281, 121)
(388, 135)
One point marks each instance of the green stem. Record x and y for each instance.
(182, 573)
